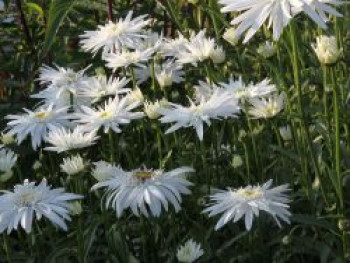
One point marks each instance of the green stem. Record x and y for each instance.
(7, 249)
(80, 239)
(296, 74)
(111, 146)
(337, 141)
(159, 145)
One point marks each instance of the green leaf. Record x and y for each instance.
(57, 13)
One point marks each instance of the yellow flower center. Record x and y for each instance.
(249, 194)
(42, 115)
(144, 175)
(105, 115)
(27, 198)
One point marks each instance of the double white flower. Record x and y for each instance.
(277, 13)
(219, 105)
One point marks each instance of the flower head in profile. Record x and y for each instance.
(230, 36)
(267, 107)
(168, 73)
(244, 92)
(63, 139)
(172, 47)
(246, 202)
(97, 88)
(151, 108)
(219, 105)
(326, 49)
(104, 170)
(73, 165)
(198, 49)
(152, 41)
(135, 96)
(145, 191)
(61, 77)
(28, 202)
(114, 36)
(126, 58)
(8, 160)
(189, 252)
(111, 115)
(267, 49)
(37, 123)
(61, 97)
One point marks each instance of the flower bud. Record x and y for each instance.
(218, 55)
(327, 50)
(230, 36)
(267, 49)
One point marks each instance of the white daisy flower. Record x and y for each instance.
(127, 58)
(64, 139)
(268, 107)
(219, 105)
(278, 13)
(198, 49)
(28, 201)
(7, 138)
(114, 36)
(286, 133)
(153, 41)
(99, 87)
(172, 47)
(135, 96)
(267, 49)
(37, 123)
(218, 55)
(61, 77)
(142, 73)
(204, 90)
(73, 165)
(61, 97)
(145, 191)
(104, 170)
(243, 92)
(111, 115)
(189, 252)
(151, 108)
(168, 73)
(8, 160)
(316, 10)
(230, 36)
(248, 201)
(254, 13)
(326, 49)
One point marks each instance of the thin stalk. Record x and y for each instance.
(159, 145)
(80, 239)
(247, 163)
(134, 85)
(297, 84)
(7, 249)
(110, 9)
(204, 164)
(24, 25)
(325, 97)
(111, 146)
(337, 140)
